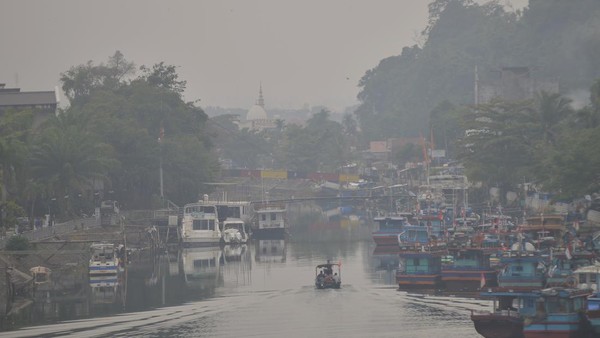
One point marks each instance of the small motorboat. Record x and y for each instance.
(328, 276)
(41, 274)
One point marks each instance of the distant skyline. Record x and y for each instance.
(303, 52)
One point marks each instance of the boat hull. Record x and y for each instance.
(570, 326)
(200, 241)
(495, 326)
(385, 239)
(418, 281)
(327, 285)
(554, 334)
(468, 280)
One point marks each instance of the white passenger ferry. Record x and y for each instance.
(200, 224)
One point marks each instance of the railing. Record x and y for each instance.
(501, 313)
(57, 229)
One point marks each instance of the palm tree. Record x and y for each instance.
(68, 161)
(551, 109)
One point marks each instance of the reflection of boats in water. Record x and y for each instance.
(233, 253)
(104, 289)
(237, 264)
(201, 267)
(386, 257)
(270, 250)
(106, 271)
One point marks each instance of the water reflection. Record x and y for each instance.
(271, 250)
(63, 295)
(196, 291)
(384, 262)
(237, 265)
(201, 270)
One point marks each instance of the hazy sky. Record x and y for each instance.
(303, 51)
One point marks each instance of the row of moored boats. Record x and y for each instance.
(541, 276)
(207, 222)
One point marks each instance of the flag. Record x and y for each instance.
(482, 281)
(568, 252)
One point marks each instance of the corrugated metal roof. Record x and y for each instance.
(8, 99)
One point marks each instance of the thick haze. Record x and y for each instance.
(304, 52)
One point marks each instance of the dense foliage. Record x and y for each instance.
(106, 144)
(557, 39)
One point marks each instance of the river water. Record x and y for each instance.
(263, 289)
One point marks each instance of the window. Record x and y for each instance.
(263, 217)
(204, 224)
(204, 263)
(273, 217)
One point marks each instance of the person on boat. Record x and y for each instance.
(336, 278)
(320, 277)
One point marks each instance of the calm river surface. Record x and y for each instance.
(264, 289)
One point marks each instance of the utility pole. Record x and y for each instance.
(161, 135)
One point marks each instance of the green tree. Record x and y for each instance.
(497, 149)
(129, 116)
(67, 160)
(571, 169)
(79, 82)
(15, 131)
(17, 243)
(550, 112)
(410, 152)
(9, 212)
(163, 76)
(319, 146)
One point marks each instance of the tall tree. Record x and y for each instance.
(67, 159)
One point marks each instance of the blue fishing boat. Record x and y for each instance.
(469, 271)
(522, 270)
(553, 312)
(588, 277)
(560, 313)
(562, 265)
(420, 256)
(388, 228)
(419, 270)
(506, 319)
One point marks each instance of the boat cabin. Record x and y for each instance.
(419, 270)
(522, 270)
(388, 228)
(234, 231)
(558, 313)
(469, 271)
